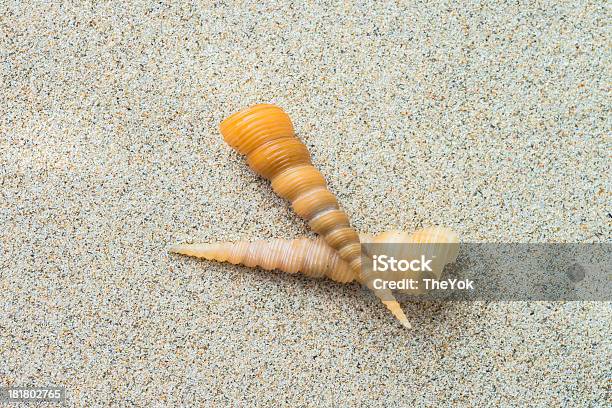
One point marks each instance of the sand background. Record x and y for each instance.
(489, 119)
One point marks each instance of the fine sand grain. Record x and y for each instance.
(488, 119)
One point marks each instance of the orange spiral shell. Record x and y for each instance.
(265, 134)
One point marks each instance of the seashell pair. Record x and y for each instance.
(265, 135)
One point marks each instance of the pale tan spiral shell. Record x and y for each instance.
(438, 244)
(314, 258)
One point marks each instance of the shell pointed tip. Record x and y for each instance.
(175, 249)
(406, 323)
